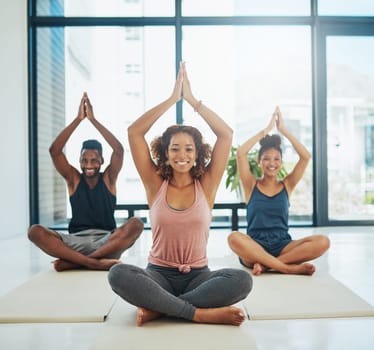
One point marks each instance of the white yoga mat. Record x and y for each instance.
(120, 332)
(277, 296)
(69, 296)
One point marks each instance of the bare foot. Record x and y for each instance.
(223, 315)
(301, 269)
(144, 315)
(97, 264)
(106, 264)
(62, 265)
(258, 269)
(293, 269)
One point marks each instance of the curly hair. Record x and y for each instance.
(159, 147)
(270, 141)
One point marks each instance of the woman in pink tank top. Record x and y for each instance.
(181, 175)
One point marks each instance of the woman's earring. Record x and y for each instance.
(167, 162)
(194, 164)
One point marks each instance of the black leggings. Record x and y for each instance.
(176, 294)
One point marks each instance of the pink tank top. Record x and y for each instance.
(180, 237)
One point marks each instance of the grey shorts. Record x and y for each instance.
(88, 241)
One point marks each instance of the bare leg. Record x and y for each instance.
(304, 249)
(51, 243)
(121, 239)
(253, 254)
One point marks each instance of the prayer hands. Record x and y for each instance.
(88, 107)
(279, 120)
(182, 87)
(85, 108)
(186, 90)
(275, 121)
(177, 92)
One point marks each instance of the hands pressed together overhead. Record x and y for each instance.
(182, 87)
(275, 121)
(85, 108)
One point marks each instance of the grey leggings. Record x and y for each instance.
(176, 294)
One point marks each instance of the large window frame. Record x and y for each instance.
(335, 26)
(321, 26)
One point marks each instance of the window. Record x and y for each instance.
(243, 57)
(350, 121)
(246, 8)
(110, 64)
(346, 8)
(106, 8)
(244, 72)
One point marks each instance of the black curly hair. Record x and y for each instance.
(270, 141)
(159, 147)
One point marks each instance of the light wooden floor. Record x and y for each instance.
(350, 260)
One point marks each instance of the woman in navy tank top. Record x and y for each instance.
(267, 244)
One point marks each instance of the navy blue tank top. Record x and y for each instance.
(267, 213)
(92, 208)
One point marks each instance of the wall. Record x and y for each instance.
(14, 212)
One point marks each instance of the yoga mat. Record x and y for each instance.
(278, 296)
(120, 332)
(69, 296)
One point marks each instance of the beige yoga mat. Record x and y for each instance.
(69, 296)
(277, 296)
(120, 332)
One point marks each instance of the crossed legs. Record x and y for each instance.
(67, 258)
(292, 259)
(206, 299)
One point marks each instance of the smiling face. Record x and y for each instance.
(271, 162)
(90, 162)
(181, 152)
